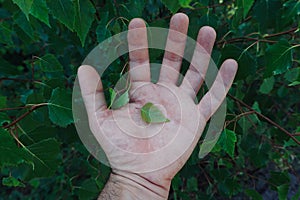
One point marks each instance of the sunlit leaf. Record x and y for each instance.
(12, 182)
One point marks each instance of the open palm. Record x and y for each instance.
(156, 151)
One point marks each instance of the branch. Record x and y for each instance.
(266, 118)
(34, 107)
(246, 39)
(16, 108)
(282, 33)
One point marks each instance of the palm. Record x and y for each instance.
(156, 151)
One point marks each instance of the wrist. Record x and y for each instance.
(124, 185)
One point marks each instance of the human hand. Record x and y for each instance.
(145, 157)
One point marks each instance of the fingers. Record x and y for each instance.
(138, 51)
(217, 93)
(91, 89)
(195, 75)
(174, 48)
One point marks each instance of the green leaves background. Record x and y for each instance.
(42, 43)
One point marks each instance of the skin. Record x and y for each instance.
(119, 131)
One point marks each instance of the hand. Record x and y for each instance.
(145, 157)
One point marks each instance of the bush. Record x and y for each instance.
(44, 41)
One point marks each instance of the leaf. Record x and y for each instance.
(12, 182)
(278, 179)
(44, 155)
(267, 85)
(253, 194)
(5, 34)
(283, 191)
(245, 5)
(87, 190)
(113, 95)
(172, 5)
(24, 24)
(84, 17)
(185, 3)
(291, 9)
(151, 114)
(63, 11)
(227, 141)
(192, 184)
(294, 83)
(265, 15)
(102, 31)
(24, 5)
(40, 11)
(247, 63)
(121, 100)
(278, 58)
(3, 101)
(10, 153)
(49, 63)
(4, 118)
(297, 195)
(60, 112)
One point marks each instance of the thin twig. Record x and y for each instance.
(266, 118)
(34, 107)
(15, 108)
(282, 33)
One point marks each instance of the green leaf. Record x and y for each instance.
(12, 182)
(291, 9)
(87, 190)
(4, 118)
(253, 194)
(245, 5)
(121, 100)
(265, 15)
(227, 141)
(294, 83)
(192, 184)
(40, 11)
(246, 61)
(44, 155)
(267, 85)
(278, 58)
(151, 114)
(102, 31)
(24, 24)
(185, 3)
(278, 179)
(172, 5)
(49, 63)
(24, 5)
(60, 111)
(10, 153)
(283, 191)
(297, 195)
(84, 17)
(3, 102)
(5, 34)
(63, 11)
(8, 69)
(113, 95)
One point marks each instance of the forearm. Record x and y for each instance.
(133, 187)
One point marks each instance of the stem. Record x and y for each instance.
(282, 33)
(266, 118)
(34, 107)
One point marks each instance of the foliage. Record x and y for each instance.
(44, 41)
